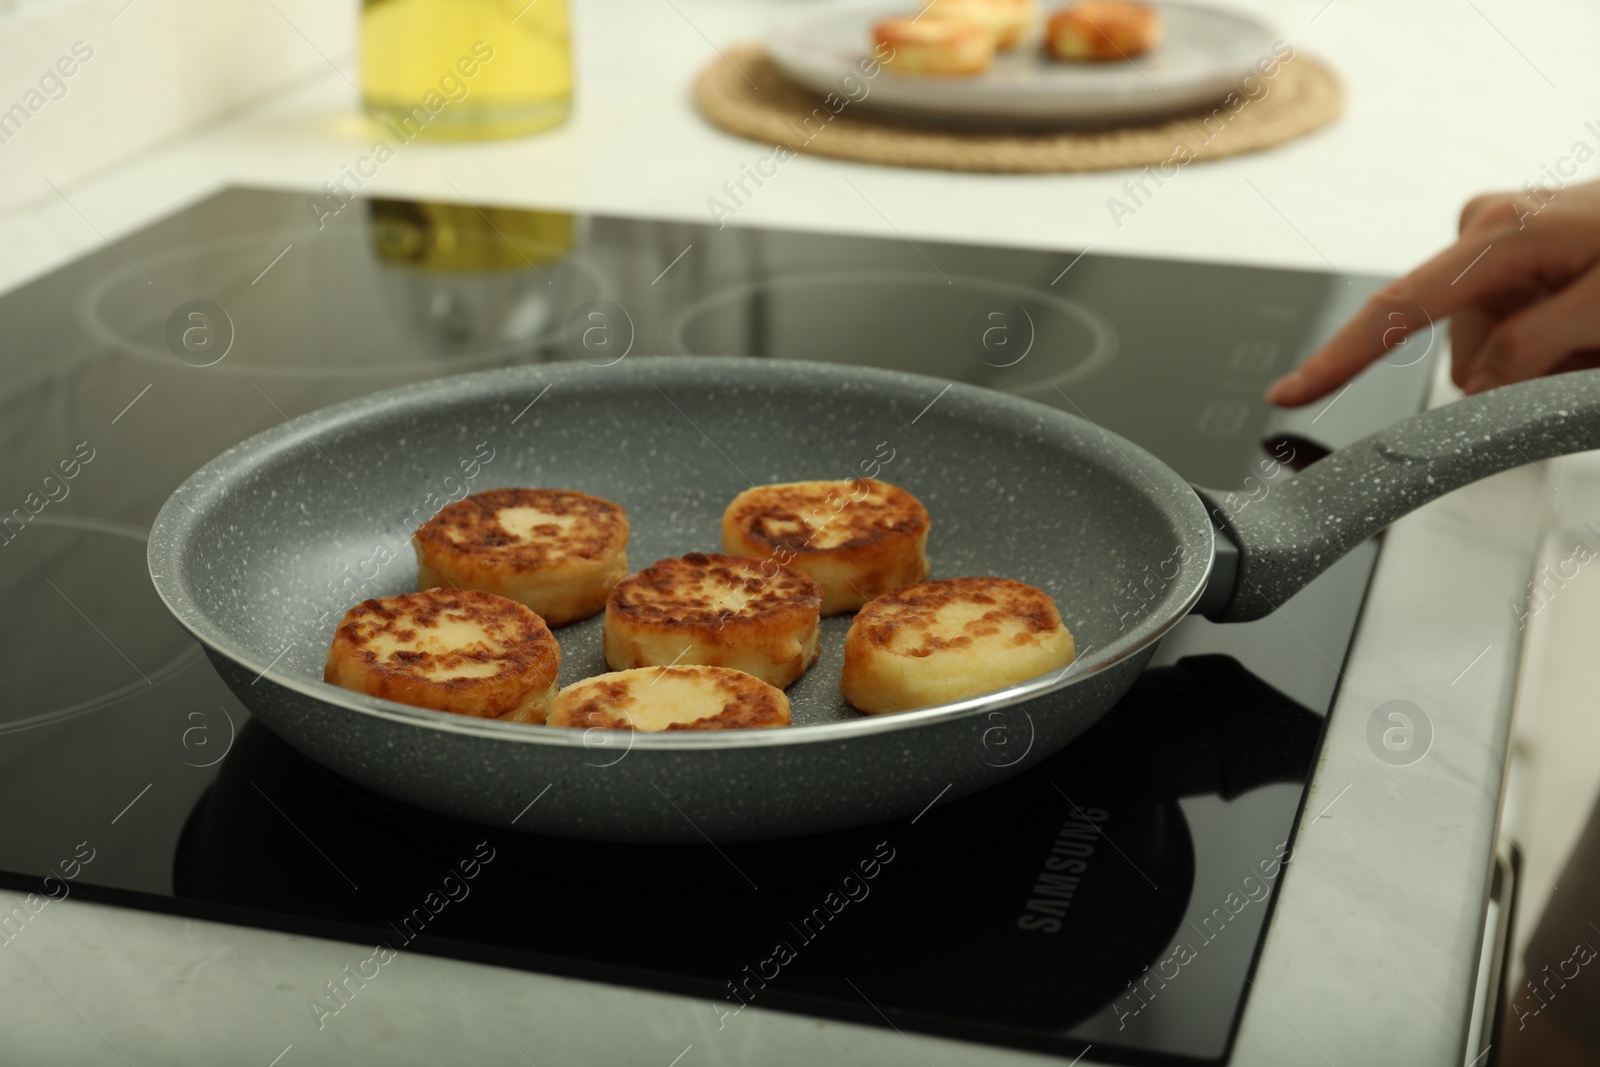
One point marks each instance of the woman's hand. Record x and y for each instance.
(1521, 287)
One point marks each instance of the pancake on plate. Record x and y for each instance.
(1103, 30)
(934, 46)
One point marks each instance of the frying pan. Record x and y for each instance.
(260, 552)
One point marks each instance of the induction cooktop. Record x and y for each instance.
(1113, 898)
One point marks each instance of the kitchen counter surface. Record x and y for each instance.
(1373, 953)
(1441, 105)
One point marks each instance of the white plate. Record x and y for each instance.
(1205, 53)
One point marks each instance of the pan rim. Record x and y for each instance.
(174, 524)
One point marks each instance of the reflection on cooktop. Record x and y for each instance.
(427, 288)
(999, 334)
(1016, 915)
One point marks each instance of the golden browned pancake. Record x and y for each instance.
(858, 539)
(670, 698)
(934, 46)
(558, 551)
(463, 651)
(940, 641)
(1103, 30)
(1007, 21)
(718, 611)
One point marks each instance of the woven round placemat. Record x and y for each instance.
(745, 93)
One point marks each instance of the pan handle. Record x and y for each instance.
(1302, 526)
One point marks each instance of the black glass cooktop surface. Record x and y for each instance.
(1113, 896)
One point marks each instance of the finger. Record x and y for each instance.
(1588, 359)
(1483, 265)
(1536, 340)
(1468, 328)
(1478, 265)
(1471, 326)
(1474, 209)
(1369, 334)
(1489, 206)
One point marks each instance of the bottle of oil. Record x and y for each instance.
(466, 69)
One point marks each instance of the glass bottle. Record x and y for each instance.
(466, 69)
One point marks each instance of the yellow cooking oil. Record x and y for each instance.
(466, 69)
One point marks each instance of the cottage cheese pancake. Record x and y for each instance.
(558, 551)
(1007, 21)
(670, 698)
(940, 641)
(718, 611)
(462, 651)
(1103, 30)
(857, 539)
(935, 46)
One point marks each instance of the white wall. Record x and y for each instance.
(159, 68)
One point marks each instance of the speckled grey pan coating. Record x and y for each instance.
(246, 549)
(1300, 529)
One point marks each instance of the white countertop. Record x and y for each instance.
(1440, 106)
(1445, 99)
